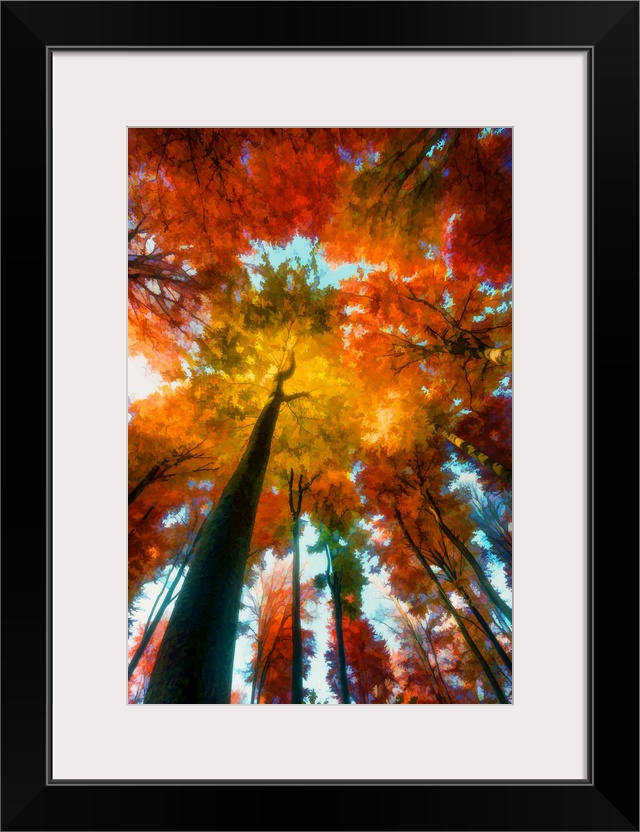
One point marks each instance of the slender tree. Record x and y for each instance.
(168, 595)
(484, 582)
(488, 672)
(334, 582)
(296, 494)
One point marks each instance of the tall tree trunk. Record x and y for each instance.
(195, 660)
(253, 686)
(452, 610)
(499, 620)
(475, 453)
(295, 506)
(342, 659)
(486, 629)
(263, 678)
(296, 624)
(169, 597)
(254, 681)
(468, 556)
(468, 638)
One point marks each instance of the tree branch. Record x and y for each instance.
(294, 396)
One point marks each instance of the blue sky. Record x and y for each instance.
(299, 248)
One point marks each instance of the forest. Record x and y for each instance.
(319, 416)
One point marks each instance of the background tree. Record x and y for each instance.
(268, 621)
(343, 540)
(139, 680)
(369, 670)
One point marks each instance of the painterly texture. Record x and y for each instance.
(320, 416)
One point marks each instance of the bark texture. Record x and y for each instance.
(195, 660)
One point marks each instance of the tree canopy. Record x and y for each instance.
(320, 483)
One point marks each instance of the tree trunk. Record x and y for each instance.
(142, 520)
(467, 637)
(466, 343)
(263, 679)
(254, 681)
(494, 355)
(195, 660)
(295, 506)
(342, 659)
(423, 654)
(151, 476)
(253, 688)
(296, 625)
(151, 628)
(452, 610)
(468, 556)
(497, 467)
(487, 629)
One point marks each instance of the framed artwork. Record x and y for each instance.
(330, 303)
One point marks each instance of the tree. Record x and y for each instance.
(177, 452)
(475, 453)
(295, 504)
(197, 200)
(195, 661)
(291, 308)
(415, 525)
(268, 604)
(394, 444)
(419, 663)
(343, 541)
(369, 671)
(268, 622)
(168, 594)
(139, 680)
(429, 190)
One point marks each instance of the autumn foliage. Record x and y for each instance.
(268, 624)
(369, 672)
(326, 456)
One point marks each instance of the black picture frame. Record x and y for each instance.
(608, 798)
